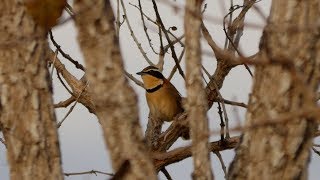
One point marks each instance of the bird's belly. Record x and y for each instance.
(164, 109)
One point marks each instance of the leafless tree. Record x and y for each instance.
(282, 113)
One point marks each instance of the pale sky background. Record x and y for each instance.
(81, 141)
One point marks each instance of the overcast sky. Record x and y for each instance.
(81, 140)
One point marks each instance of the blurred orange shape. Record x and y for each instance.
(45, 12)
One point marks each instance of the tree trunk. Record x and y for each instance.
(27, 116)
(196, 99)
(274, 147)
(115, 101)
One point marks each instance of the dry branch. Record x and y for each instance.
(95, 172)
(77, 86)
(173, 52)
(134, 36)
(115, 101)
(179, 154)
(196, 105)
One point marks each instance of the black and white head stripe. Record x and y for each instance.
(153, 71)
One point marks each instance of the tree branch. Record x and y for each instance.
(176, 155)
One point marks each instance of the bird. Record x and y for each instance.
(163, 99)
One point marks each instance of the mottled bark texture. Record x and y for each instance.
(196, 98)
(292, 46)
(153, 133)
(27, 117)
(115, 101)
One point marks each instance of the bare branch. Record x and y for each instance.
(134, 36)
(176, 155)
(65, 103)
(166, 173)
(196, 105)
(223, 106)
(233, 103)
(95, 172)
(67, 56)
(72, 107)
(145, 27)
(69, 10)
(223, 166)
(135, 80)
(75, 84)
(236, 28)
(173, 52)
(115, 100)
(316, 151)
(174, 69)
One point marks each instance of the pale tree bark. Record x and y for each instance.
(115, 101)
(291, 44)
(196, 99)
(27, 117)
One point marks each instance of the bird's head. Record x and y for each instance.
(152, 77)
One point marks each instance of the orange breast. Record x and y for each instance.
(165, 103)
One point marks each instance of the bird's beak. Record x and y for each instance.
(140, 73)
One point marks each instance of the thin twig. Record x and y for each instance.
(95, 172)
(226, 119)
(67, 56)
(212, 19)
(237, 27)
(176, 40)
(3, 142)
(145, 27)
(166, 173)
(222, 125)
(63, 84)
(222, 164)
(65, 103)
(72, 107)
(54, 60)
(148, 18)
(135, 80)
(230, 21)
(232, 103)
(316, 151)
(69, 10)
(162, 51)
(144, 54)
(174, 69)
(173, 52)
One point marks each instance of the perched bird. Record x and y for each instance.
(163, 98)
